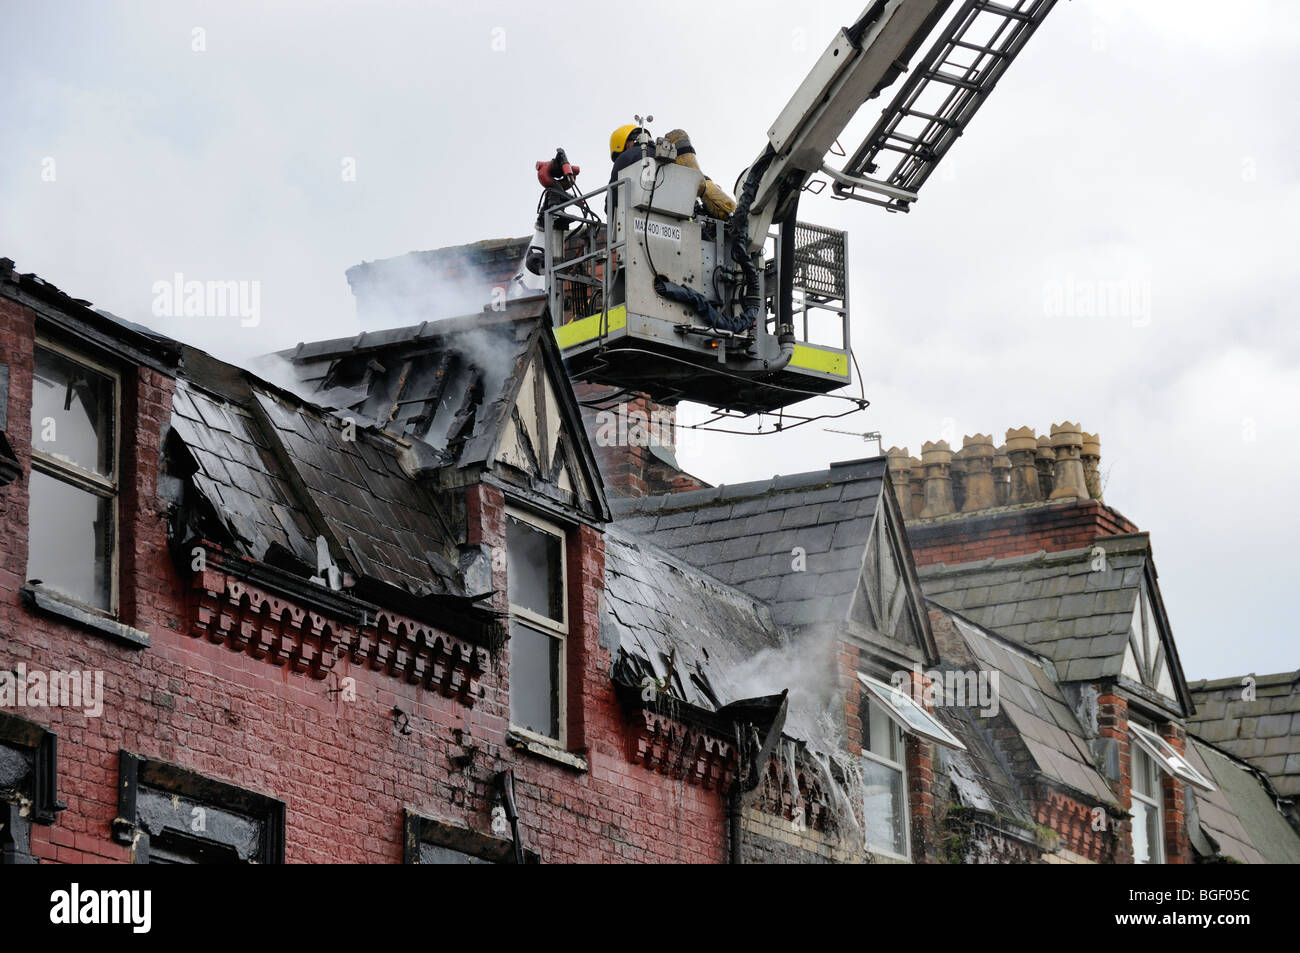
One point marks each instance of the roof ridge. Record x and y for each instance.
(1234, 681)
(834, 475)
(1037, 658)
(428, 330)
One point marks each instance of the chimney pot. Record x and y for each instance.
(937, 460)
(977, 456)
(1068, 480)
(1001, 477)
(1044, 461)
(900, 477)
(917, 485)
(1022, 448)
(1091, 457)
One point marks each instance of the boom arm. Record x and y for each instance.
(862, 60)
(964, 62)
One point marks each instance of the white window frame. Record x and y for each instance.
(901, 767)
(910, 717)
(546, 625)
(1165, 757)
(1155, 801)
(82, 479)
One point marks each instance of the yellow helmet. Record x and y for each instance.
(619, 138)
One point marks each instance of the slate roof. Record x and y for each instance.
(1031, 698)
(743, 534)
(239, 475)
(980, 778)
(658, 608)
(1053, 603)
(1240, 814)
(1264, 732)
(278, 473)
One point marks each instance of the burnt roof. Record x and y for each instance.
(360, 459)
(668, 620)
(125, 339)
(278, 472)
(457, 392)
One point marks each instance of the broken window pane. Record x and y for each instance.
(1145, 788)
(535, 568)
(1145, 832)
(72, 413)
(435, 854)
(70, 540)
(534, 680)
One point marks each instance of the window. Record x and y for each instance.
(171, 815)
(1169, 760)
(884, 781)
(28, 776)
(72, 513)
(887, 713)
(428, 841)
(539, 626)
(909, 715)
(1151, 754)
(1147, 812)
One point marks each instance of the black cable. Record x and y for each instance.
(645, 241)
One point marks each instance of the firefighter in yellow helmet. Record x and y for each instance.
(625, 150)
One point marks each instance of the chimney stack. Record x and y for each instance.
(937, 460)
(1044, 461)
(1022, 448)
(1068, 479)
(977, 458)
(900, 475)
(1091, 456)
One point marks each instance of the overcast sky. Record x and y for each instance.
(1143, 146)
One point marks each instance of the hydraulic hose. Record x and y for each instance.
(738, 233)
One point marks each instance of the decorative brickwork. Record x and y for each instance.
(683, 753)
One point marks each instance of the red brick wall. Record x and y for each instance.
(344, 771)
(1017, 532)
(1178, 844)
